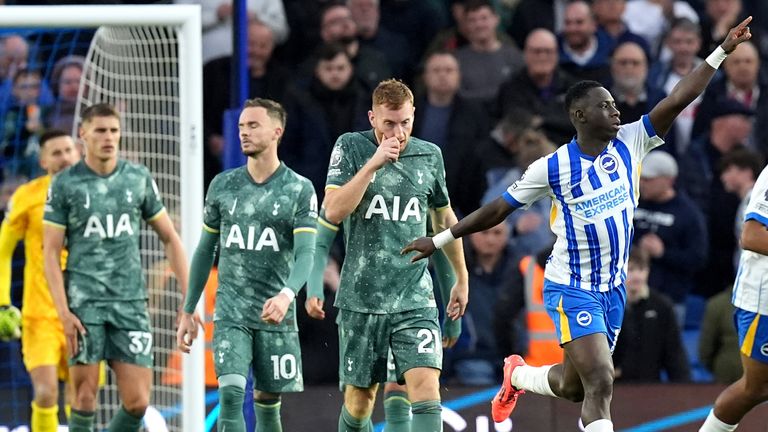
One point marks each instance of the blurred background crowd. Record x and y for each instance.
(490, 77)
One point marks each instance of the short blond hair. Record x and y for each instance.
(392, 93)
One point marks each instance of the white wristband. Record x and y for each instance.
(443, 238)
(289, 292)
(717, 57)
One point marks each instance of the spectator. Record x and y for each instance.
(530, 232)
(683, 42)
(14, 53)
(651, 19)
(302, 43)
(494, 315)
(65, 79)
(500, 154)
(629, 72)
(650, 347)
(584, 53)
(267, 79)
(367, 17)
(217, 23)
(730, 128)
(487, 61)
(337, 26)
(718, 340)
(458, 126)
(418, 20)
(321, 108)
(740, 83)
(543, 344)
(14, 56)
(534, 14)
(670, 229)
(719, 17)
(739, 170)
(540, 87)
(455, 37)
(610, 21)
(22, 123)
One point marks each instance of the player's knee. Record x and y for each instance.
(424, 390)
(598, 384)
(136, 405)
(359, 401)
(572, 391)
(231, 396)
(85, 400)
(46, 395)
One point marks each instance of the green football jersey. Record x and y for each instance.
(256, 223)
(375, 278)
(101, 216)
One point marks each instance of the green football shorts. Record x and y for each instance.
(115, 331)
(366, 339)
(275, 356)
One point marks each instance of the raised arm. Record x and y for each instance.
(481, 219)
(693, 84)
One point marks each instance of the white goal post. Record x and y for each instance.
(185, 20)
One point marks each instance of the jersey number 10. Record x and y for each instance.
(283, 367)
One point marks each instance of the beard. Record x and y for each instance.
(346, 40)
(630, 84)
(252, 151)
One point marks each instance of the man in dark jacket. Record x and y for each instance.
(267, 79)
(457, 126)
(670, 228)
(540, 87)
(650, 343)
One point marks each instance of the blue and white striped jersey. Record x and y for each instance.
(750, 291)
(593, 203)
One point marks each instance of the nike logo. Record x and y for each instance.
(232, 210)
(87, 200)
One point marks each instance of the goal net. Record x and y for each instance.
(147, 64)
(136, 70)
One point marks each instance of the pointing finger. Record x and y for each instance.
(744, 23)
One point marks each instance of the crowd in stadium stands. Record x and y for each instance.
(490, 80)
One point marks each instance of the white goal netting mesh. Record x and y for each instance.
(136, 69)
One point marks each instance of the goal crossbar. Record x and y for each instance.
(187, 19)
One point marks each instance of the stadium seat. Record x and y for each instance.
(694, 311)
(691, 343)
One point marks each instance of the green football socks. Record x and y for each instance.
(268, 416)
(124, 421)
(427, 416)
(81, 421)
(231, 414)
(347, 423)
(397, 412)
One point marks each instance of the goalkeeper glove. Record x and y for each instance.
(10, 323)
